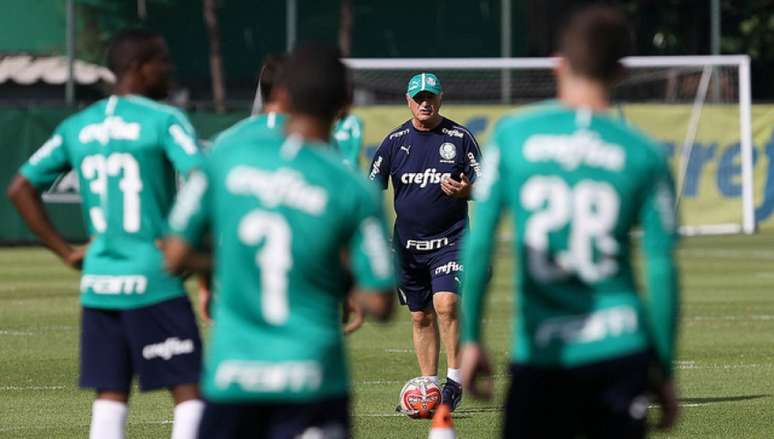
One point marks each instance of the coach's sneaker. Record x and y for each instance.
(451, 393)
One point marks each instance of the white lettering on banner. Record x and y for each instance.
(183, 139)
(168, 348)
(397, 134)
(104, 284)
(452, 133)
(113, 127)
(281, 187)
(376, 168)
(260, 376)
(45, 150)
(580, 148)
(448, 267)
(432, 244)
(429, 176)
(588, 328)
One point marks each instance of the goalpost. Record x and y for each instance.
(686, 100)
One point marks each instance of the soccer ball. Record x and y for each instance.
(419, 398)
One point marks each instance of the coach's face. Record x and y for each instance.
(424, 105)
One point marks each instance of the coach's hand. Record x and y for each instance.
(457, 189)
(476, 372)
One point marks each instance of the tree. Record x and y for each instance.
(216, 60)
(345, 28)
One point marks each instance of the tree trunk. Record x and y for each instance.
(216, 61)
(345, 28)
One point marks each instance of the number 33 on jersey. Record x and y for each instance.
(127, 152)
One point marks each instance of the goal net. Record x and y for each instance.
(697, 106)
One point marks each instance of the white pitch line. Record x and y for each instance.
(730, 254)
(733, 318)
(24, 388)
(398, 351)
(15, 333)
(377, 382)
(692, 365)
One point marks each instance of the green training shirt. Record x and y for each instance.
(126, 151)
(577, 183)
(348, 134)
(271, 121)
(287, 217)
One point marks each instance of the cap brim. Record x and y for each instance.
(412, 94)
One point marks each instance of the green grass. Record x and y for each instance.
(725, 365)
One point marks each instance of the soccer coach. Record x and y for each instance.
(433, 163)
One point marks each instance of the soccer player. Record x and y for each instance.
(578, 181)
(136, 318)
(288, 234)
(270, 114)
(348, 133)
(432, 162)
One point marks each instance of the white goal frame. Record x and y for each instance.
(740, 62)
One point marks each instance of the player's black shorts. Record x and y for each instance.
(325, 419)
(601, 400)
(424, 274)
(159, 343)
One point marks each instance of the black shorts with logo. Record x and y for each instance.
(324, 419)
(600, 400)
(422, 274)
(159, 343)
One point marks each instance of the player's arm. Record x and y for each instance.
(371, 260)
(379, 171)
(180, 144)
(477, 257)
(356, 136)
(39, 171)
(188, 222)
(659, 225)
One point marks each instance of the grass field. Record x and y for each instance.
(725, 366)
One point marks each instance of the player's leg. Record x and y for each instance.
(232, 421)
(188, 411)
(618, 403)
(426, 341)
(414, 290)
(445, 273)
(541, 403)
(445, 304)
(105, 367)
(167, 351)
(324, 419)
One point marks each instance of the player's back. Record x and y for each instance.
(125, 150)
(577, 183)
(283, 214)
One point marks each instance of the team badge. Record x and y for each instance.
(448, 151)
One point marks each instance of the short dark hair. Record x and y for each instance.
(595, 40)
(131, 46)
(271, 74)
(316, 80)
